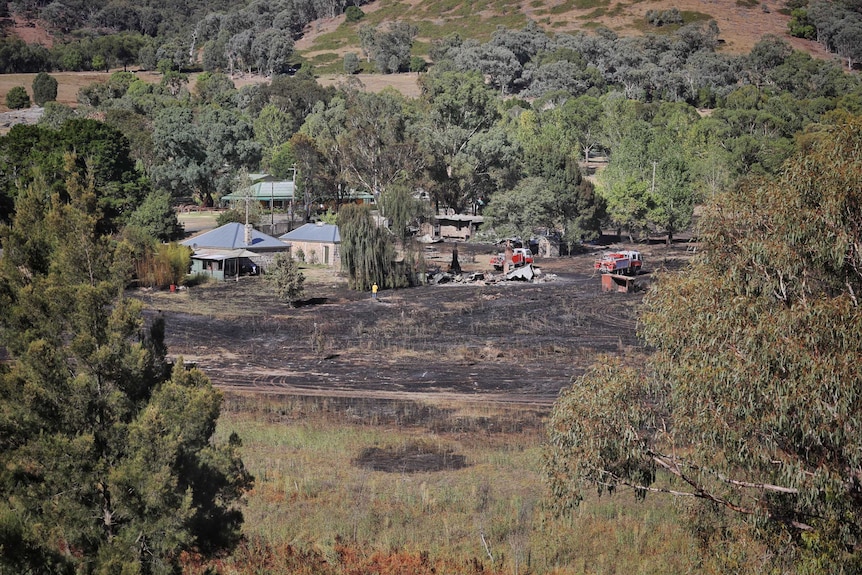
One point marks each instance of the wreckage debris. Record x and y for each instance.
(527, 273)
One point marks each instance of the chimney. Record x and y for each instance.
(248, 228)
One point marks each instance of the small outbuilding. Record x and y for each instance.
(457, 226)
(316, 243)
(232, 250)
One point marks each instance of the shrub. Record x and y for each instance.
(351, 63)
(800, 25)
(17, 98)
(166, 264)
(353, 14)
(238, 216)
(288, 280)
(657, 19)
(418, 64)
(55, 115)
(44, 88)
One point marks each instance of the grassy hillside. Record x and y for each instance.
(742, 22)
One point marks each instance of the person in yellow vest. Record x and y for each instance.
(374, 291)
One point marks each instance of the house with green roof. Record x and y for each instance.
(267, 192)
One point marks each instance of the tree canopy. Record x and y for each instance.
(30, 153)
(750, 403)
(367, 251)
(108, 462)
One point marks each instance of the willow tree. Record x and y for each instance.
(752, 401)
(367, 250)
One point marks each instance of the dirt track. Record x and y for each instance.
(508, 342)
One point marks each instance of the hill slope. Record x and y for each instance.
(741, 23)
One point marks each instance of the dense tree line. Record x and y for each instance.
(682, 66)
(253, 36)
(835, 25)
(629, 99)
(472, 150)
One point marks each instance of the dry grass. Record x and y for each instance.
(69, 83)
(407, 84)
(435, 478)
(741, 26)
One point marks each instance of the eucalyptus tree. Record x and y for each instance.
(498, 63)
(312, 181)
(326, 126)
(272, 128)
(294, 96)
(759, 134)
(467, 156)
(584, 120)
(838, 26)
(215, 88)
(769, 53)
(378, 144)
(653, 156)
(520, 211)
(556, 194)
(238, 51)
(525, 43)
(806, 77)
(562, 75)
(200, 151)
(389, 48)
(620, 114)
(710, 76)
(271, 51)
(711, 160)
(749, 406)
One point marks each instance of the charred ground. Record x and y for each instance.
(506, 342)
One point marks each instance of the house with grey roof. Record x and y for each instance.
(316, 243)
(232, 250)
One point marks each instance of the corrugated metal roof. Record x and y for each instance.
(319, 232)
(215, 255)
(264, 191)
(231, 237)
(461, 218)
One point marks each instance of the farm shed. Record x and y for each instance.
(318, 243)
(231, 250)
(452, 226)
(548, 247)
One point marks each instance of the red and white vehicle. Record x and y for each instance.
(625, 262)
(520, 257)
